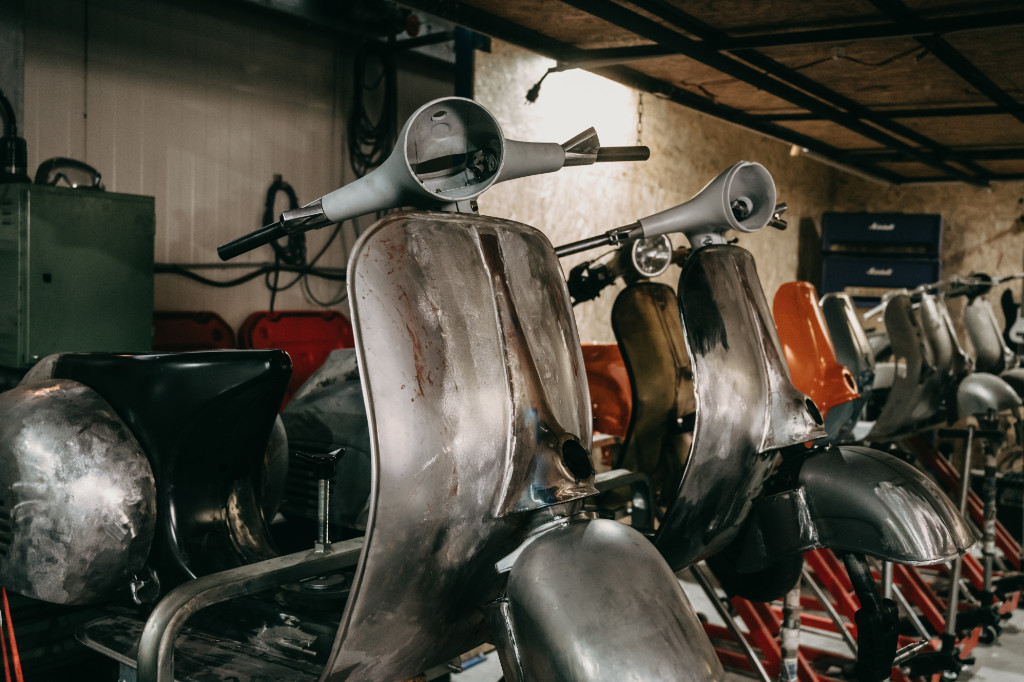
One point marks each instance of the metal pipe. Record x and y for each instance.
(156, 646)
(911, 614)
(755, 662)
(789, 634)
(887, 579)
(826, 604)
(954, 580)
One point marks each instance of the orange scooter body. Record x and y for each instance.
(610, 394)
(813, 367)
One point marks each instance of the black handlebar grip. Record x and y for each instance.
(248, 242)
(638, 153)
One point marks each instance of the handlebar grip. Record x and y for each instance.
(638, 153)
(248, 242)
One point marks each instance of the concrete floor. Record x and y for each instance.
(999, 662)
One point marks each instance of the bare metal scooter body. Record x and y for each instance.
(748, 412)
(480, 430)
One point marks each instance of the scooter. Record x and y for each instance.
(928, 382)
(750, 420)
(479, 430)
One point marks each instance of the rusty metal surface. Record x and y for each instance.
(746, 405)
(474, 382)
(77, 492)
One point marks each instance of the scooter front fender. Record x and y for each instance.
(860, 500)
(594, 600)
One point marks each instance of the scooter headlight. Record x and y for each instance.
(651, 257)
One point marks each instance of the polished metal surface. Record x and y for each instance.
(991, 354)
(478, 405)
(746, 405)
(592, 600)
(156, 646)
(646, 322)
(980, 393)
(77, 493)
(859, 500)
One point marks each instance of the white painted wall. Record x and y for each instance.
(199, 105)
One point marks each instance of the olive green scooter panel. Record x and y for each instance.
(646, 322)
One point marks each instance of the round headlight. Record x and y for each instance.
(651, 257)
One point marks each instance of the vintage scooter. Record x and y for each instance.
(749, 483)
(479, 430)
(929, 381)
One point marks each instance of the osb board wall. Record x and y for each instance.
(688, 149)
(983, 230)
(198, 105)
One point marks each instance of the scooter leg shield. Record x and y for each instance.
(594, 600)
(856, 499)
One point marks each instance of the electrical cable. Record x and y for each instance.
(371, 139)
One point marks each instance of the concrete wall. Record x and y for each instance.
(983, 229)
(687, 150)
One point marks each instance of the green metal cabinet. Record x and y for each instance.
(76, 272)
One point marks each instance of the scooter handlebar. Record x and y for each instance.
(448, 153)
(251, 241)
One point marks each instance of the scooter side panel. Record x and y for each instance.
(809, 352)
(746, 405)
(911, 367)
(474, 383)
(77, 495)
(991, 354)
(646, 322)
(591, 570)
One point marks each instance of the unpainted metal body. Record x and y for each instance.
(77, 492)
(475, 388)
(991, 354)
(588, 572)
(747, 408)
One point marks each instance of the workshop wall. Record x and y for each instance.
(688, 149)
(199, 105)
(983, 227)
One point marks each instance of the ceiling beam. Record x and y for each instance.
(776, 79)
(953, 59)
(914, 112)
(976, 153)
(501, 29)
(847, 34)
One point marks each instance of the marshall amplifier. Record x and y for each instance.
(891, 233)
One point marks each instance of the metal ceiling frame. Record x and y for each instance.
(675, 32)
